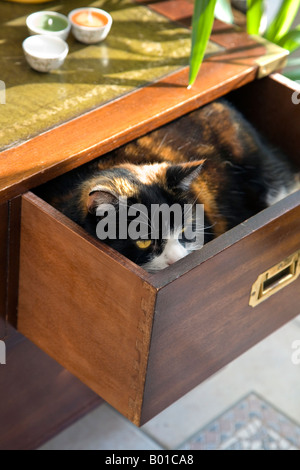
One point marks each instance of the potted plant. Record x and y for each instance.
(279, 31)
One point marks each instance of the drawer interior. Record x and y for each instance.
(276, 123)
(141, 340)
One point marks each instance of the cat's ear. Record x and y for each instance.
(182, 175)
(99, 197)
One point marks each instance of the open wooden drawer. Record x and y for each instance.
(141, 341)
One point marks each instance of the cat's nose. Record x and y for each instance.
(169, 262)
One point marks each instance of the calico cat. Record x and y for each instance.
(211, 156)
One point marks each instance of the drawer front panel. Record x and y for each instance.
(203, 320)
(83, 307)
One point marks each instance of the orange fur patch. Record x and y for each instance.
(164, 150)
(124, 187)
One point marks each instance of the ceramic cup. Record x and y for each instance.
(49, 23)
(90, 25)
(45, 53)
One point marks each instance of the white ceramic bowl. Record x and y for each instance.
(45, 53)
(87, 34)
(38, 22)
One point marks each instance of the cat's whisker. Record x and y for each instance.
(146, 219)
(163, 141)
(183, 146)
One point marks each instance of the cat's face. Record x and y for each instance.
(147, 212)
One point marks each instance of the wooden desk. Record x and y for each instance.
(39, 398)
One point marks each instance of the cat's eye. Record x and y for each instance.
(143, 244)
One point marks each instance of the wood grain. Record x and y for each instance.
(175, 10)
(38, 398)
(28, 165)
(3, 267)
(83, 307)
(203, 320)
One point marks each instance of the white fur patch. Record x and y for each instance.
(174, 251)
(275, 196)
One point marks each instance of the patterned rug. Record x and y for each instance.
(251, 424)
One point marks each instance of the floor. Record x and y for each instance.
(251, 404)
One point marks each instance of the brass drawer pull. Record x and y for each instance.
(275, 279)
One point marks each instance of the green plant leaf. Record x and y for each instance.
(203, 20)
(255, 11)
(291, 40)
(283, 20)
(223, 11)
(293, 74)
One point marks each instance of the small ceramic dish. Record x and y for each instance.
(45, 53)
(90, 25)
(49, 23)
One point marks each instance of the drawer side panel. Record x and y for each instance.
(83, 308)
